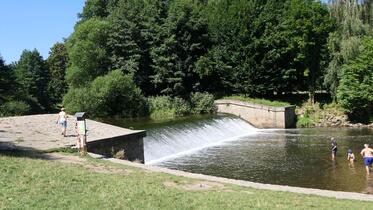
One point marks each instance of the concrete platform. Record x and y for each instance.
(40, 132)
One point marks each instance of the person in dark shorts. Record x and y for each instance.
(367, 154)
(334, 148)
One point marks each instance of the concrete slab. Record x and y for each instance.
(41, 132)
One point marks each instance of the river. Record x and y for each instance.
(227, 146)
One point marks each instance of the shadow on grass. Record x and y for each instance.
(12, 150)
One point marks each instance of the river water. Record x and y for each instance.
(229, 147)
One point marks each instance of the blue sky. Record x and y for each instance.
(29, 24)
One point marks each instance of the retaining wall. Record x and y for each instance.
(132, 145)
(260, 116)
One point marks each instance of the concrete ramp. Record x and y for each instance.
(41, 132)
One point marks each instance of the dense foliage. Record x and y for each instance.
(57, 63)
(163, 107)
(355, 92)
(167, 50)
(109, 95)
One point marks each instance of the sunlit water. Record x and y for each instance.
(229, 147)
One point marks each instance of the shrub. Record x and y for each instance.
(13, 108)
(261, 101)
(304, 122)
(181, 107)
(202, 103)
(161, 107)
(114, 94)
(164, 107)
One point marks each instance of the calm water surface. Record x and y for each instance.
(295, 157)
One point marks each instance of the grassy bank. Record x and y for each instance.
(28, 182)
(261, 101)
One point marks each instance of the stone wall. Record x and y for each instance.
(260, 116)
(132, 144)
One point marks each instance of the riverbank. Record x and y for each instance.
(65, 181)
(325, 115)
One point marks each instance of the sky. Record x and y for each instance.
(35, 24)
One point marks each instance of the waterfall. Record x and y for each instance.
(179, 139)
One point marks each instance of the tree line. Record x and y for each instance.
(125, 51)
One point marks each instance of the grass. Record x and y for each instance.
(28, 182)
(258, 101)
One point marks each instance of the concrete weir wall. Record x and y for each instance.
(260, 116)
(132, 144)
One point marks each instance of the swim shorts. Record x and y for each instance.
(334, 151)
(368, 161)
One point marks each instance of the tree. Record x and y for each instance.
(97, 9)
(88, 52)
(133, 29)
(344, 44)
(309, 25)
(32, 76)
(7, 81)
(57, 63)
(183, 39)
(355, 92)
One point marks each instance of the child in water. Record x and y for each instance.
(350, 156)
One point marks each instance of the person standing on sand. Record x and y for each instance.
(334, 148)
(62, 120)
(367, 154)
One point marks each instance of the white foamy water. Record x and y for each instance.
(177, 140)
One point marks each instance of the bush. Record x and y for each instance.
(202, 103)
(164, 107)
(261, 101)
(114, 94)
(161, 107)
(181, 107)
(304, 122)
(14, 108)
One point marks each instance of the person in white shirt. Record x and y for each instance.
(62, 120)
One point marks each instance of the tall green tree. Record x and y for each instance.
(344, 44)
(33, 76)
(355, 92)
(133, 29)
(183, 40)
(88, 52)
(308, 25)
(7, 81)
(57, 64)
(97, 9)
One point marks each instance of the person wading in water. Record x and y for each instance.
(367, 154)
(334, 148)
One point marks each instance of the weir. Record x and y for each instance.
(175, 140)
(260, 116)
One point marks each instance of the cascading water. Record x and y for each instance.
(171, 141)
